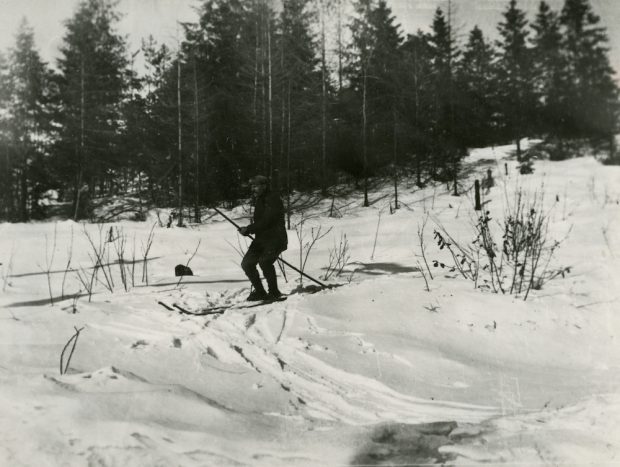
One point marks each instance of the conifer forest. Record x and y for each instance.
(312, 93)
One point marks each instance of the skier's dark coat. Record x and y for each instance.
(268, 223)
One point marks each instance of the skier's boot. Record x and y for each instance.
(257, 295)
(272, 283)
(274, 294)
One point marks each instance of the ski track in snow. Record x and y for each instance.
(322, 391)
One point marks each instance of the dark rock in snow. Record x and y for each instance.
(181, 270)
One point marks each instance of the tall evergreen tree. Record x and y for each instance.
(591, 98)
(93, 84)
(28, 118)
(384, 90)
(158, 121)
(6, 165)
(373, 57)
(548, 71)
(300, 89)
(516, 98)
(232, 48)
(386, 93)
(449, 138)
(477, 79)
(417, 105)
(135, 134)
(361, 51)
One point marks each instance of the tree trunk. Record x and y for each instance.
(323, 104)
(180, 201)
(82, 155)
(416, 97)
(23, 199)
(264, 144)
(456, 174)
(9, 186)
(197, 168)
(283, 111)
(340, 48)
(270, 96)
(288, 159)
(364, 148)
(256, 60)
(395, 150)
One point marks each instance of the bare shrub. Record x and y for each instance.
(339, 257)
(68, 265)
(307, 242)
(428, 289)
(73, 306)
(423, 245)
(49, 262)
(133, 262)
(86, 282)
(119, 241)
(146, 248)
(107, 249)
(127, 269)
(98, 257)
(374, 245)
(463, 259)
(512, 256)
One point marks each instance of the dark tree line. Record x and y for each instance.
(305, 93)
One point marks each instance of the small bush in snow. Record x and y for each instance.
(307, 242)
(339, 257)
(108, 248)
(510, 256)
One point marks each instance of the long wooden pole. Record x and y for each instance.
(279, 259)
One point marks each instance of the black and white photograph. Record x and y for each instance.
(299, 233)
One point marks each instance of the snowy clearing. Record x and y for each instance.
(375, 371)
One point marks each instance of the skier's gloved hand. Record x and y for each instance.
(243, 231)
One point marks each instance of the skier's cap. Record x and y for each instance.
(258, 180)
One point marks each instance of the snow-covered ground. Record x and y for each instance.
(377, 371)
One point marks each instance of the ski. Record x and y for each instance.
(218, 309)
(264, 302)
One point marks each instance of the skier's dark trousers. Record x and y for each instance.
(270, 239)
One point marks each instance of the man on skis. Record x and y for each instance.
(270, 240)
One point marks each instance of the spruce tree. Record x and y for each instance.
(28, 118)
(477, 79)
(374, 54)
(93, 84)
(300, 80)
(384, 88)
(548, 66)
(387, 92)
(232, 48)
(516, 98)
(417, 90)
(157, 121)
(6, 164)
(591, 98)
(449, 137)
